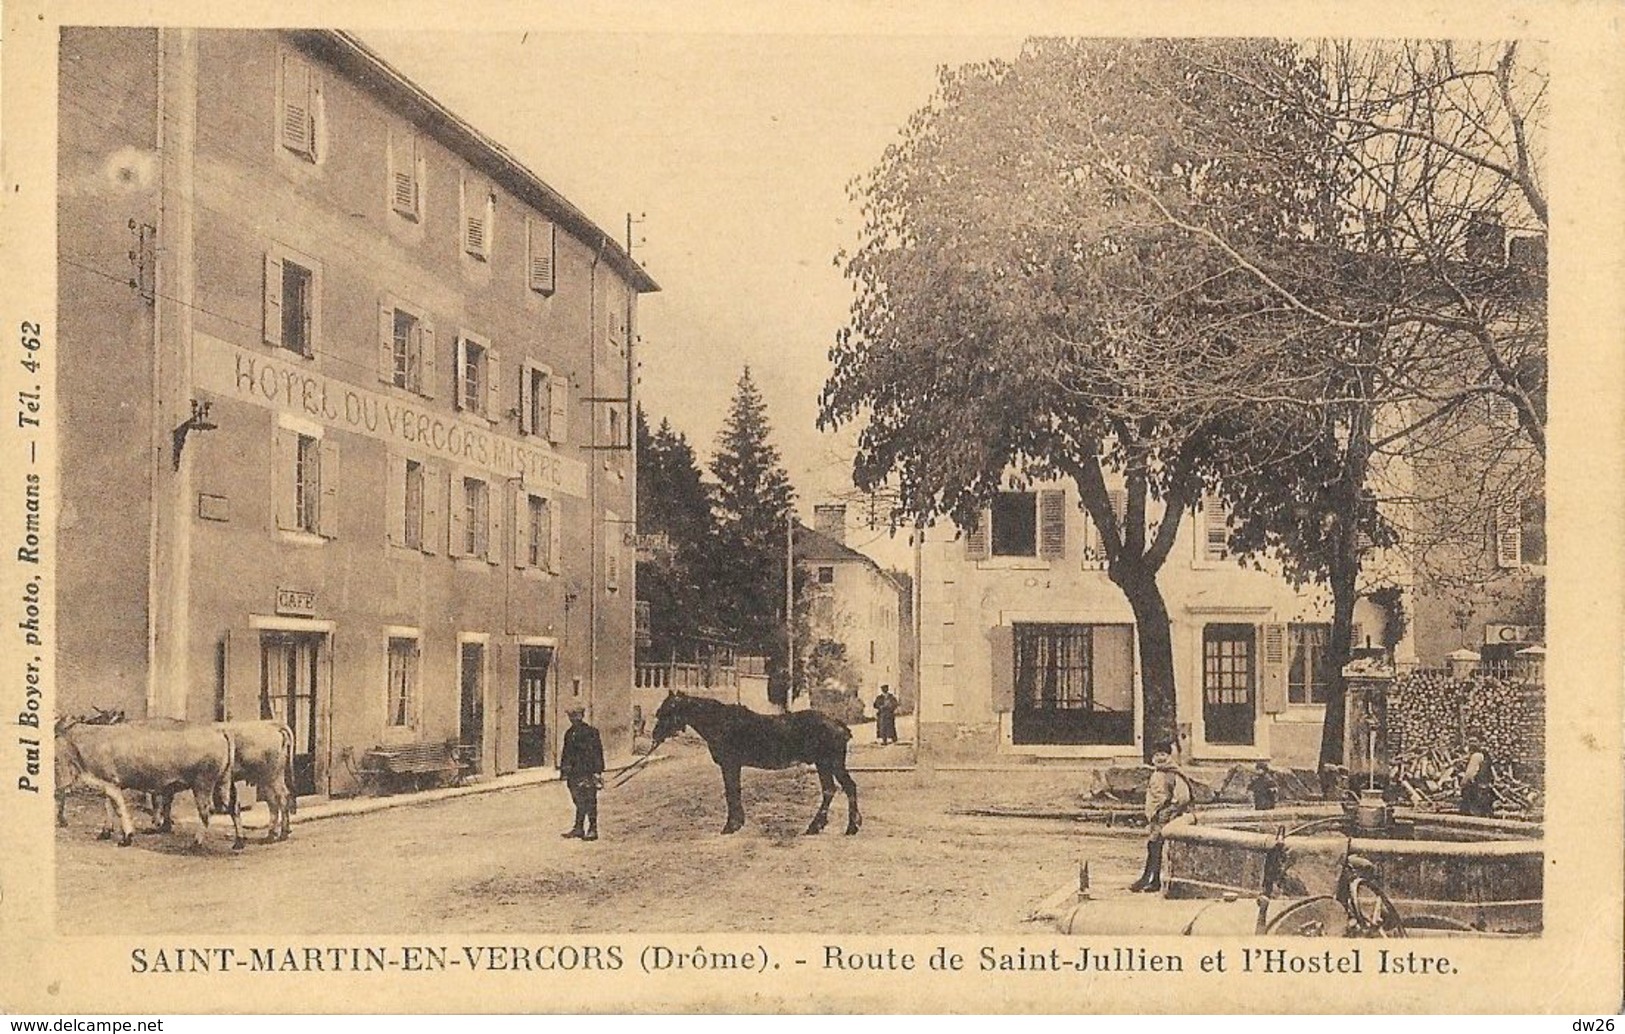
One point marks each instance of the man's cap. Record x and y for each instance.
(575, 712)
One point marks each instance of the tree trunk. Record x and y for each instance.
(1345, 571)
(1151, 627)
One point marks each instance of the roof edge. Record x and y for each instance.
(345, 51)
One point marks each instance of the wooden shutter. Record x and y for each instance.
(396, 508)
(403, 174)
(434, 508)
(318, 118)
(298, 114)
(1119, 501)
(493, 384)
(477, 207)
(555, 518)
(273, 299)
(527, 375)
(1003, 643)
(612, 556)
(327, 509)
(976, 538)
(1356, 636)
(313, 311)
(456, 515)
(426, 358)
(521, 527)
(459, 381)
(1052, 524)
(543, 248)
(1508, 533)
(496, 516)
(558, 405)
(386, 342)
(1215, 528)
(1272, 668)
(284, 474)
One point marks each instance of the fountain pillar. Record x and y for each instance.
(1367, 681)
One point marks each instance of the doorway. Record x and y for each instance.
(471, 713)
(1229, 684)
(290, 667)
(534, 662)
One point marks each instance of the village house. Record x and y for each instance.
(346, 398)
(852, 601)
(1027, 649)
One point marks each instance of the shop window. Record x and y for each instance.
(1072, 684)
(403, 681)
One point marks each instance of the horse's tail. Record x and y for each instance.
(287, 770)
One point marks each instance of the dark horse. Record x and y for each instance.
(739, 737)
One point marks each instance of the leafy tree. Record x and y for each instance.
(676, 580)
(754, 502)
(1023, 310)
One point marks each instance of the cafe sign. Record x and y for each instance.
(299, 603)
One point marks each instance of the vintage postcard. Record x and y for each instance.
(855, 508)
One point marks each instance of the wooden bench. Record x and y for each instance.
(419, 764)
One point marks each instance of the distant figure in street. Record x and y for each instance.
(886, 716)
(581, 766)
(1266, 794)
(1167, 796)
(1477, 782)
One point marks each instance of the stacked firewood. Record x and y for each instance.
(1432, 718)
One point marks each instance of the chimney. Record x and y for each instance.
(829, 519)
(1484, 242)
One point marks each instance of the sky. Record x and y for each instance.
(735, 151)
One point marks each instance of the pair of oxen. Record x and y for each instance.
(164, 756)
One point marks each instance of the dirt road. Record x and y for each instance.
(495, 862)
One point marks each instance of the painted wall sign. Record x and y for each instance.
(296, 602)
(244, 375)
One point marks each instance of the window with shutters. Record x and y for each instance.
(402, 691)
(406, 174)
(406, 348)
(300, 122)
(307, 484)
(412, 506)
(539, 533)
(542, 256)
(477, 380)
(1520, 532)
(1015, 524)
(292, 300)
(475, 511)
(478, 219)
(613, 428)
(1308, 663)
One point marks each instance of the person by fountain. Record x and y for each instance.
(1168, 795)
(1477, 782)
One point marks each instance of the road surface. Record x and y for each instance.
(495, 862)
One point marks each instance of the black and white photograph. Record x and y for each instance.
(662, 502)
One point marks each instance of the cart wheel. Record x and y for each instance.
(1321, 916)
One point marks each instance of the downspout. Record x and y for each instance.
(596, 542)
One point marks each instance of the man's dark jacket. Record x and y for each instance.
(582, 755)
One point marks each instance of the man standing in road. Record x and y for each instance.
(581, 766)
